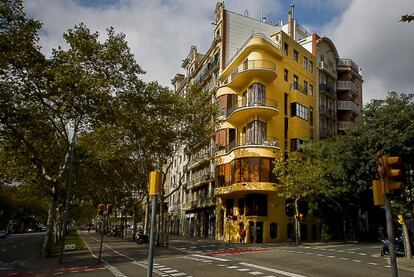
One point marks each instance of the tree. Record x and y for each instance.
(44, 103)
(297, 178)
(407, 18)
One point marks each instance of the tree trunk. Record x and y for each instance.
(134, 215)
(49, 226)
(297, 222)
(407, 242)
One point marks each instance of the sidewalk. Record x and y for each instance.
(73, 262)
(405, 264)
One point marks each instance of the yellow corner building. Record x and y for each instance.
(266, 99)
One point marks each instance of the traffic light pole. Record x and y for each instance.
(152, 236)
(390, 231)
(102, 235)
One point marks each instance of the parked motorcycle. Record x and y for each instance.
(141, 238)
(399, 247)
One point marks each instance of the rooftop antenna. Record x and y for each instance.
(246, 12)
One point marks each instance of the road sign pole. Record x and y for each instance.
(102, 235)
(390, 231)
(152, 236)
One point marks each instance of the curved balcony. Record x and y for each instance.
(245, 109)
(268, 142)
(238, 188)
(242, 75)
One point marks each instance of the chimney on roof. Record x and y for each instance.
(291, 21)
(290, 24)
(264, 19)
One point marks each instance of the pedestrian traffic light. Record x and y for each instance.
(101, 209)
(393, 173)
(109, 208)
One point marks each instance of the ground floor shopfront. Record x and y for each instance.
(195, 223)
(265, 217)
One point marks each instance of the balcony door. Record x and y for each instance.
(256, 132)
(232, 138)
(256, 94)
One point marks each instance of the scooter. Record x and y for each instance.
(141, 238)
(399, 247)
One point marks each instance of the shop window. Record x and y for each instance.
(303, 208)
(229, 207)
(289, 208)
(290, 233)
(240, 204)
(314, 232)
(304, 232)
(256, 204)
(273, 230)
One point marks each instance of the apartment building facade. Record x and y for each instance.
(276, 87)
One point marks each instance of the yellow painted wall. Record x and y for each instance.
(276, 87)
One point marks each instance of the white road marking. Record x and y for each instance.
(255, 273)
(373, 263)
(178, 274)
(243, 269)
(357, 261)
(362, 254)
(278, 271)
(331, 256)
(171, 271)
(232, 267)
(212, 258)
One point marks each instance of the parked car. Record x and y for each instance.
(2, 234)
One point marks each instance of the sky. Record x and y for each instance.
(161, 32)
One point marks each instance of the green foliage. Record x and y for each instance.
(407, 18)
(297, 176)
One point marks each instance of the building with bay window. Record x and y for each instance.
(274, 91)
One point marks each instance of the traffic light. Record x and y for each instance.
(101, 209)
(401, 219)
(378, 192)
(393, 173)
(109, 208)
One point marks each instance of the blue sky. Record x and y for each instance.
(161, 32)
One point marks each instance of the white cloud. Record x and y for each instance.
(161, 32)
(158, 32)
(370, 33)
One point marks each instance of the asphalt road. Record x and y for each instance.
(18, 249)
(204, 258)
(211, 258)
